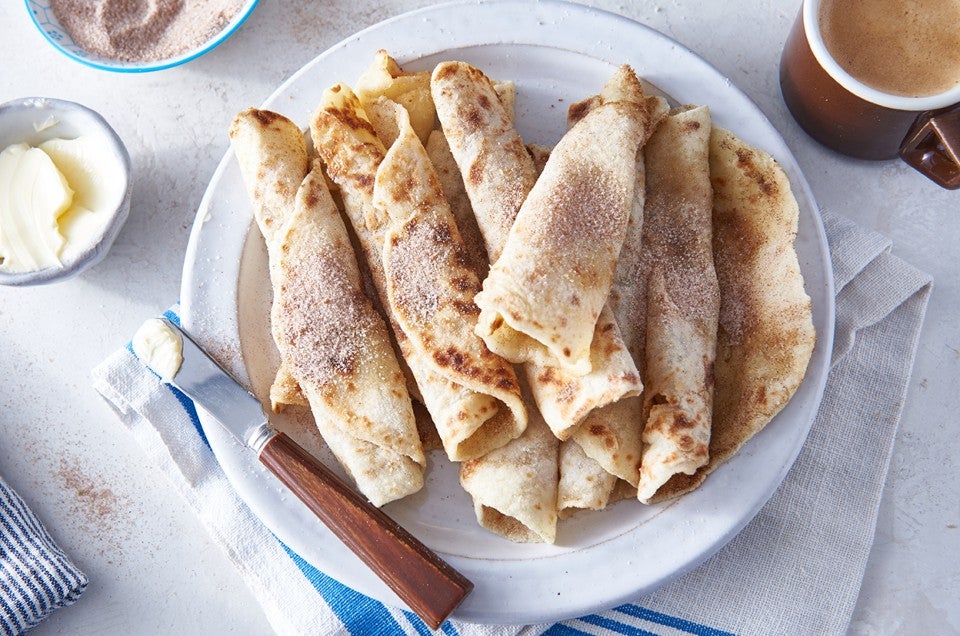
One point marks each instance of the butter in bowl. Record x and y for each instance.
(64, 189)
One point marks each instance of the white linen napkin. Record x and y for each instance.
(796, 568)
(36, 577)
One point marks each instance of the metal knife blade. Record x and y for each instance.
(208, 384)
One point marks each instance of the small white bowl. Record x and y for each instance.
(33, 120)
(53, 31)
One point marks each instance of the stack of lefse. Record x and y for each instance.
(521, 293)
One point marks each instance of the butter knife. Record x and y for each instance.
(426, 583)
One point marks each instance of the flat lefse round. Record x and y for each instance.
(766, 334)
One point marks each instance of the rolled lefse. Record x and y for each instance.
(610, 437)
(514, 488)
(332, 342)
(463, 390)
(496, 168)
(273, 197)
(766, 334)
(453, 187)
(683, 300)
(431, 286)
(543, 297)
(497, 177)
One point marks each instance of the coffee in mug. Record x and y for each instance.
(875, 79)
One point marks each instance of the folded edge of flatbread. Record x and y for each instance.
(332, 341)
(584, 484)
(766, 334)
(514, 488)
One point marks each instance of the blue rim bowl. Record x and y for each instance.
(48, 24)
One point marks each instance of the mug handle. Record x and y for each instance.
(932, 146)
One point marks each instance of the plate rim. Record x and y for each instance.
(784, 156)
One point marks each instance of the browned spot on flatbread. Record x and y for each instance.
(466, 285)
(466, 308)
(451, 357)
(746, 162)
(467, 469)
(445, 71)
(601, 431)
(349, 117)
(441, 234)
(547, 376)
(579, 110)
(473, 119)
(364, 182)
(680, 422)
(266, 117)
(477, 168)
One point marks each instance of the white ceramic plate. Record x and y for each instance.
(555, 53)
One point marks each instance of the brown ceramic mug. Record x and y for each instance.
(856, 119)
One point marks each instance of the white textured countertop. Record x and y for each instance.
(151, 565)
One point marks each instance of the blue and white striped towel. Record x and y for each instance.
(36, 577)
(796, 568)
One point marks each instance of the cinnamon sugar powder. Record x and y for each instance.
(143, 30)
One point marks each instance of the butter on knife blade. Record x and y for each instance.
(430, 586)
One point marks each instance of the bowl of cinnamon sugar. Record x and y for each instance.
(137, 36)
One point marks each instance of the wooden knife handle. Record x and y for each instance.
(422, 579)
